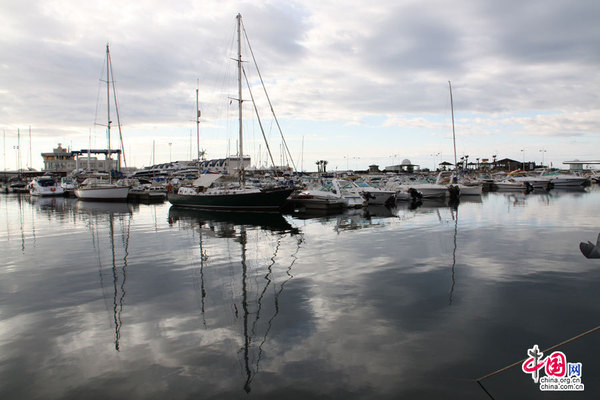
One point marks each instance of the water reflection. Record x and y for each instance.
(99, 215)
(253, 300)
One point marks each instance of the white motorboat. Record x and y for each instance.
(69, 185)
(374, 196)
(349, 192)
(45, 186)
(318, 199)
(511, 184)
(469, 190)
(567, 180)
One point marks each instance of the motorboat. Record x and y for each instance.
(373, 195)
(148, 193)
(349, 191)
(318, 199)
(45, 186)
(510, 184)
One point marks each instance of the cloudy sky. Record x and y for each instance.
(352, 82)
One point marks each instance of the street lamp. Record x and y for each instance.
(170, 151)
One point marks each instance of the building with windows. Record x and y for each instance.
(62, 161)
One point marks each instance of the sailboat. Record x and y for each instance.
(94, 189)
(204, 193)
(463, 190)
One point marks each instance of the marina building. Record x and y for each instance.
(62, 161)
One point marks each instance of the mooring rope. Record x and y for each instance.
(544, 351)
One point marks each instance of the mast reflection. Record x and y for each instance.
(102, 216)
(255, 287)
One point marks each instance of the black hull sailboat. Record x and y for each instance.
(234, 200)
(242, 197)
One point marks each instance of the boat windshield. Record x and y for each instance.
(327, 188)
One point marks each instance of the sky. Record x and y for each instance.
(351, 82)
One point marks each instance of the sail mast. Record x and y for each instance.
(108, 110)
(453, 133)
(239, 65)
(198, 124)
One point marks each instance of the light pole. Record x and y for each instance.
(170, 151)
(542, 151)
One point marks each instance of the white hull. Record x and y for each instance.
(45, 186)
(470, 190)
(109, 193)
(47, 191)
(318, 200)
(378, 197)
(431, 191)
(569, 182)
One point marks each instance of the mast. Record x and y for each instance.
(239, 65)
(453, 133)
(19, 152)
(198, 125)
(108, 110)
(118, 118)
(30, 158)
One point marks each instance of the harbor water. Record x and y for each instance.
(123, 301)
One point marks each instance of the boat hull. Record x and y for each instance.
(114, 194)
(47, 192)
(264, 200)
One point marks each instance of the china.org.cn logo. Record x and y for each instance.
(560, 375)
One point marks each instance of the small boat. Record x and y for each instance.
(567, 180)
(510, 184)
(148, 193)
(45, 186)
(349, 192)
(375, 196)
(318, 199)
(69, 185)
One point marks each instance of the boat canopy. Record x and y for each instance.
(205, 180)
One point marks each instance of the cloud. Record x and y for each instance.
(321, 62)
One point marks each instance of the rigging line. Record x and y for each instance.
(112, 76)
(268, 278)
(277, 294)
(543, 351)
(267, 95)
(258, 117)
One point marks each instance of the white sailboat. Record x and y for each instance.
(94, 189)
(463, 190)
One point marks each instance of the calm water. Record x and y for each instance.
(149, 302)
